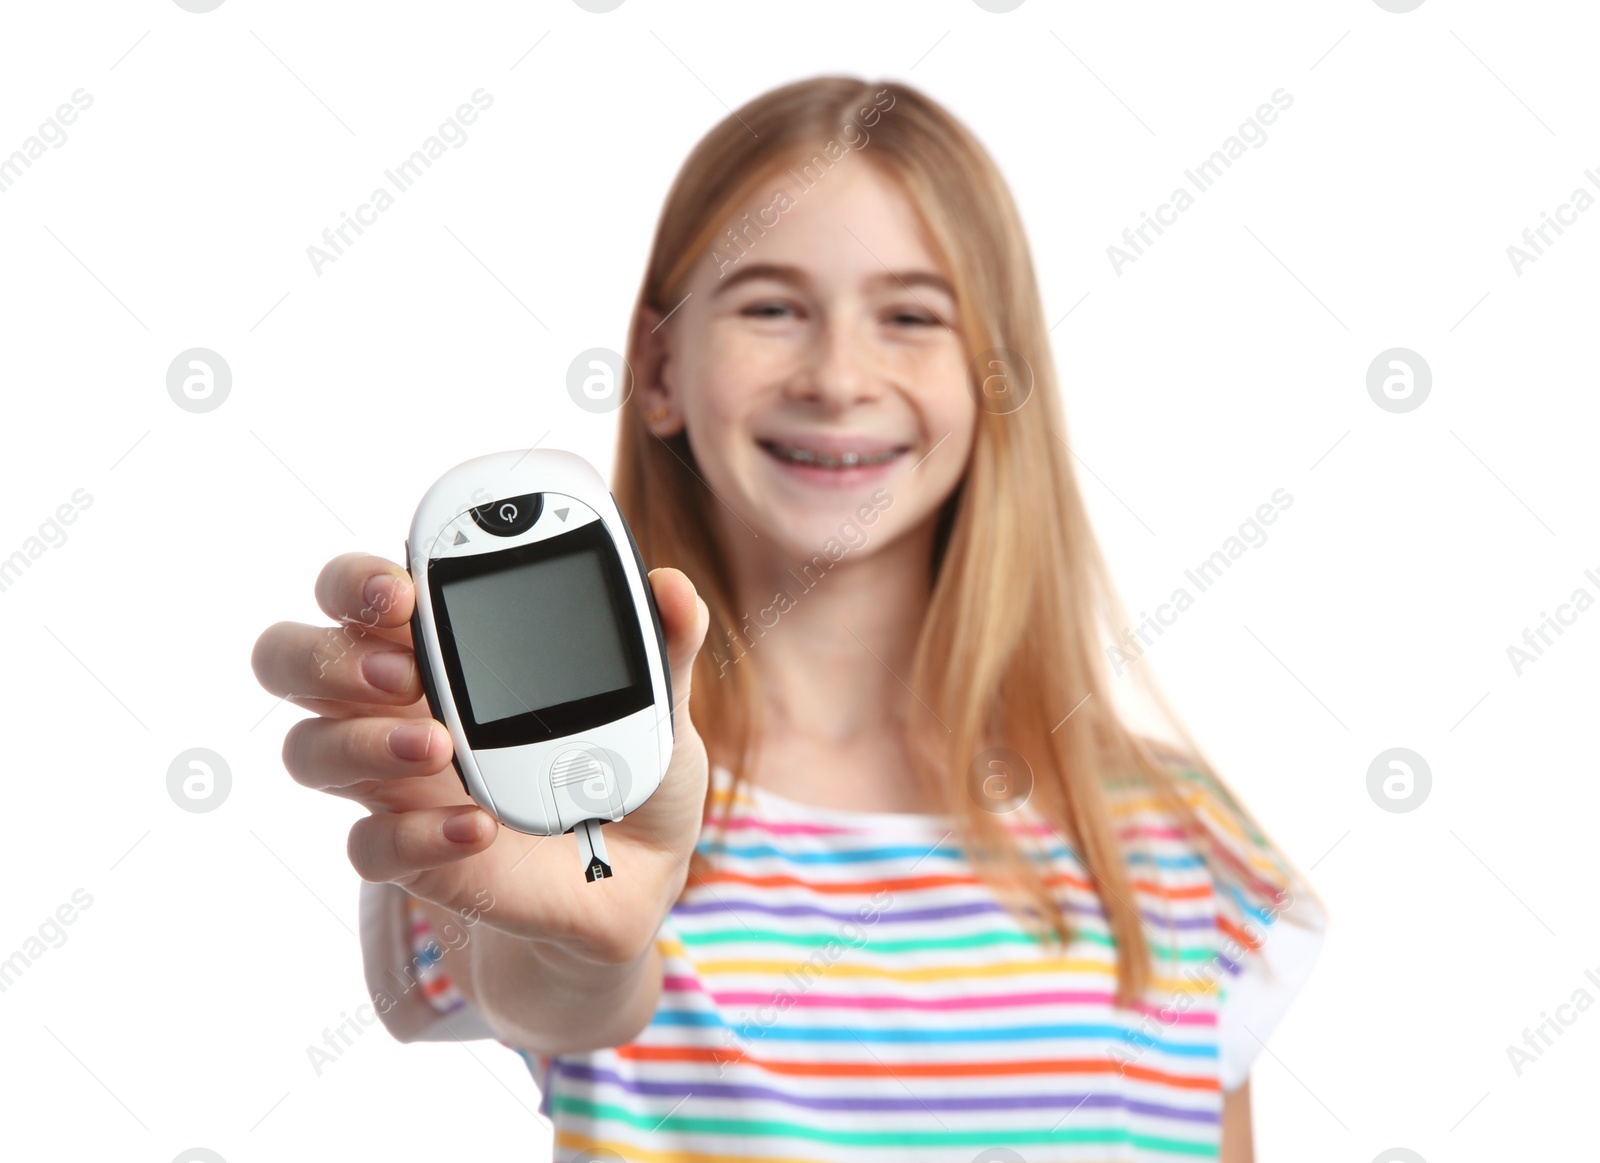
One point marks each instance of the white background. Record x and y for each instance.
(1227, 362)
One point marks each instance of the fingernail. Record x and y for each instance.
(379, 591)
(411, 741)
(388, 670)
(462, 829)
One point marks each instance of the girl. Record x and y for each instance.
(913, 887)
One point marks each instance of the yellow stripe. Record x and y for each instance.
(645, 1155)
(671, 947)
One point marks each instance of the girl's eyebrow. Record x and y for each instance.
(786, 273)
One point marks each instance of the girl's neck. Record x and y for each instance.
(834, 645)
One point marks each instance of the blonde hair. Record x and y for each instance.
(1020, 591)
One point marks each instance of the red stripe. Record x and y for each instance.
(717, 1056)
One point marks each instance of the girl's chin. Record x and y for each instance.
(824, 532)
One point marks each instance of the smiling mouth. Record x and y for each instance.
(792, 454)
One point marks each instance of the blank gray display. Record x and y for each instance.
(537, 635)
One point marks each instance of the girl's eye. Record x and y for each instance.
(916, 318)
(767, 309)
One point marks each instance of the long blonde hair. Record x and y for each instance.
(1020, 591)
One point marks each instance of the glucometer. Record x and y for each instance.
(539, 645)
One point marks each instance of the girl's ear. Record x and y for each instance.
(654, 372)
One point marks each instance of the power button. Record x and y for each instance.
(509, 516)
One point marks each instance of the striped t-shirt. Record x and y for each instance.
(843, 987)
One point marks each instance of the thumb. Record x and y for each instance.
(684, 619)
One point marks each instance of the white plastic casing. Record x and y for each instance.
(543, 788)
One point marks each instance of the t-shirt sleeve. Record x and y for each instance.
(1259, 986)
(415, 999)
(1267, 948)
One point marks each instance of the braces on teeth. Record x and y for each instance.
(846, 460)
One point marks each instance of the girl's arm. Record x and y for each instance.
(1238, 1141)
(546, 999)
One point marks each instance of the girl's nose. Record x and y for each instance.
(840, 369)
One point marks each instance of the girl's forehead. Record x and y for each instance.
(852, 219)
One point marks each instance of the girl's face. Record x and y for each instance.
(821, 373)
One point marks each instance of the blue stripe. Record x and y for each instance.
(1079, 1030)
(1259, 915)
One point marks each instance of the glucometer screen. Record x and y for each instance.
(537, 634)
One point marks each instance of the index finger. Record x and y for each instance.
(366, 589)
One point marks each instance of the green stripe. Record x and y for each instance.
(562, 1104)
(910, 944)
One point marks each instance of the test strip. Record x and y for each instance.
(592, 850)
